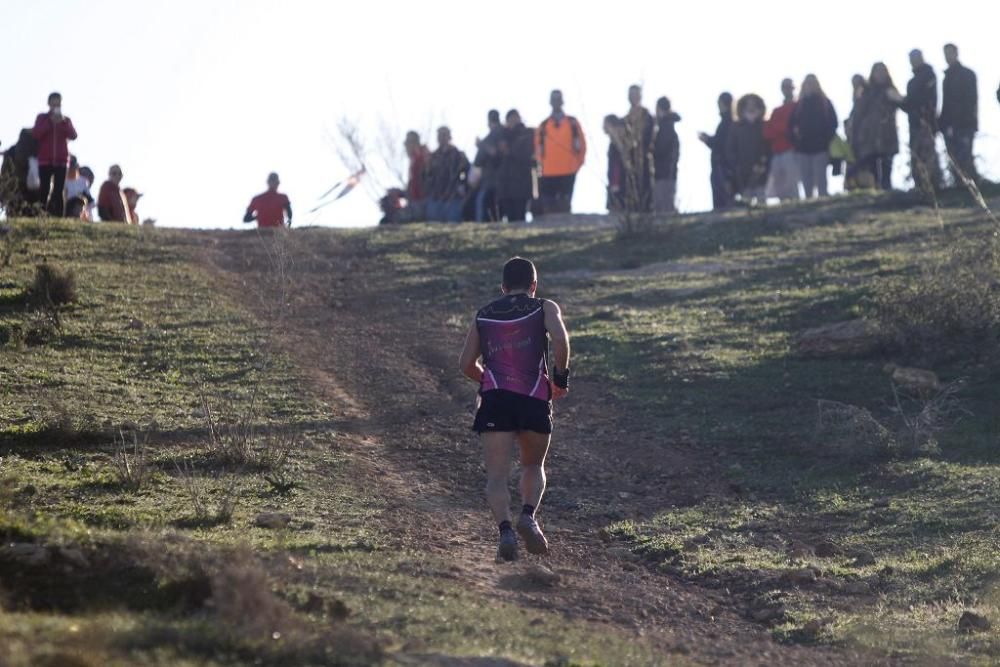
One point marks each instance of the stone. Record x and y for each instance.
(917, 380)
(971, 622)
(827, 549)
(26, 553)
(542, 576)
(768, 614)
(272, 520)
(853, 338)
(136, 325)
(801, 576)
(863, 558)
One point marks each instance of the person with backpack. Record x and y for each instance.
(783, 176)
(812, 127)
(560, 148)
(517, 157)
(959, 119)
(53, 131)
(666, 155)
(722, 171)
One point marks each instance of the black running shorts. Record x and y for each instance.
(505, 411)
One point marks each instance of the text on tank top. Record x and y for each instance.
(514, 343)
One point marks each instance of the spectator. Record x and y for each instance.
(132, 201)
(416, 186)
(77, 192)
(666, 153)
(446, 180)
(15, 196)
(856, 176)
(748, 150)
(53, 131)
(488, 163)
(561, 149)
(614, 127)
(111, 205)
(959, 120)
(920, 105)
(722, 170)
(88, 213)
(269, 209)
(783, 177)
(514, 178)
(812, 127)
(639, 126)
(873, 131)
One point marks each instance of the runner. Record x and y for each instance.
(270, 209)
(506, 353)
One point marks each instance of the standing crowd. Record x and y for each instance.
(39, 176)
(787, 155)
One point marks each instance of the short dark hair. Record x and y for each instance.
(512, 113)
(51, 95)
(518, 274)
(951, 46)
(663, 103)
(493, 116)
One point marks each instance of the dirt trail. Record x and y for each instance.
(389, 372)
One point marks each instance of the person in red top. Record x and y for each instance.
(269, 208)
(783, 178)
(53, 131)
(111, 205)
(416, 186)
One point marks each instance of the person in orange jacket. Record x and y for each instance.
(560, 149)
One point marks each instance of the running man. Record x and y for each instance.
(506, 352)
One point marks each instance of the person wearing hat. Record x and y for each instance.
(270, 208)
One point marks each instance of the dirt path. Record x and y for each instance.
(389, 371)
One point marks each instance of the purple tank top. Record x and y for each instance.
(514, 343)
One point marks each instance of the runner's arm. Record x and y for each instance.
(248, 216)
(469, 362)
(557, 332)
(288, 211)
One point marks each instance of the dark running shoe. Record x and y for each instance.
(507, 549)
(532, 535)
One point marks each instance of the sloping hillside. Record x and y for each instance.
(312, 493)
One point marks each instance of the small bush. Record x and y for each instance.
(952, 307)
(207, 513)
(52, 286)
(130, 463)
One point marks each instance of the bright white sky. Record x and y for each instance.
(199, 99)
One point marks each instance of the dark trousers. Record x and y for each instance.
(959, 144)
(515, 210)
(722, 190)
(51, 193)
(881, 168)
(556, 193)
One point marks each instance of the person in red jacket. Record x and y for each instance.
(111, 204)
(269, 208)
(53, 131)
(783, 179)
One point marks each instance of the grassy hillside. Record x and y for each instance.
(689, 465)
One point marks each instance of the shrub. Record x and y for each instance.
(951, 307)
(52, 286)
(130, 463)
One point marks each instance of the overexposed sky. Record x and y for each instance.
(199, 99)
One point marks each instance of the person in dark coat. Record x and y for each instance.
(855, 176)
(722, 171)
(488, 162)
(920, 105)
(16, 198)
(638, 149)
(748, 150)
(959, 119)
(446, 180)
(666, 154)
(812, 127)
(517, 158)
(874, 135)
(614, 127)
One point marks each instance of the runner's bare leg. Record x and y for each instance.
(498, 449)
(534, 447)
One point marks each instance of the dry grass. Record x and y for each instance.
(130, 461)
